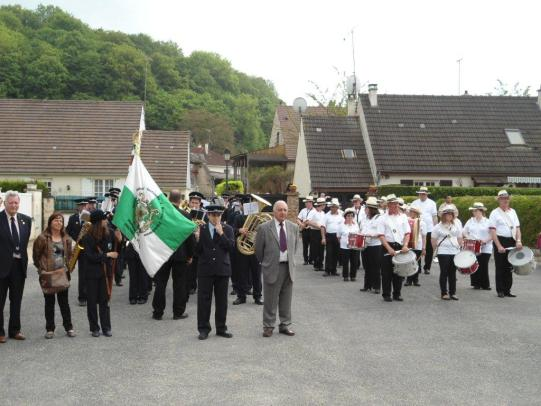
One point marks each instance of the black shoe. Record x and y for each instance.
(258, 301)
(387, 299)
(365, 290)
(233, 292)
(119, 284)
(224, 334)
(407, 284)
(326, 274)
(427, 272)
(203, 335)
(416, 284)
(334, 273)
(107, 333)
(489, 288)
(82, 303)
(239, 301)
(398, 299)
(376, 292)
(305, 263)
(352, 279)
(156, 317)
(346, 279)
(180, 317)
(501, 294)
(95, 333)
(476, 287)
(133, 301)
(142, 300)
(510, 294)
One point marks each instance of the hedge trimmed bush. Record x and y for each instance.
(235, 186)
(438, 192)
(20, 186)
(528, 209)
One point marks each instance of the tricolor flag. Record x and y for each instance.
(151, 223)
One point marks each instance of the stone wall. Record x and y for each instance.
(293, 206)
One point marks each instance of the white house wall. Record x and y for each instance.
(465, 181)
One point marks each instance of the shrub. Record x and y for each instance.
(235, 186)
(20, 186)
(438, 192)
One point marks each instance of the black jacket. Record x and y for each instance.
(187, 248)
(94, 260)
(214, 253)
(74, 226)
(7, 247)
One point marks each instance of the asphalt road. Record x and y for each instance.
(351, 348)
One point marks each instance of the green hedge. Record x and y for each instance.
(20, 186)
(235, 186)
(528, 209)
(438, 192)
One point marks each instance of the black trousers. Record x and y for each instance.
(316, 249)
(306, 244)
(480, 277)
(447, 274)
(96, 291)
(235, 269)
(64, 305)
(138, 288)
(119, 267)
(504, 270)
(81, 283)
(415, 277)
(178, 272)
(388, 278)
(349, 263)
(332, 249)
(14, 283)
(429, 252)
(207, 286)
(191, 275)
(249, 276)
(372, 258)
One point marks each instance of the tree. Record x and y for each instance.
(273, 179)
(210, 128)
(502, 89)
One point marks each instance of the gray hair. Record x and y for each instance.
(275, 206)
(12, 193)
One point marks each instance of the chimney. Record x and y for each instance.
(352, 106)
(206, 148)
(373, 94)
(539, 97)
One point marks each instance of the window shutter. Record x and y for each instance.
(87, 187)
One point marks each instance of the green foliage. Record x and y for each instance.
(235, 186)
(20, 186)
(273, 179)
(503, 89)
(528, 209)
(439, 192)
(47, 53)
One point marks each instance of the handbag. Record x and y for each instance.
(56, 281)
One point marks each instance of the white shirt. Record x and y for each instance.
(428, 211)
(370, 230)
(332, 222)
(283, 255)
(450, 245)
(318, 217)
(394, 227)
(344, 231)
(303, 215)
(360, 215)
(505, 224)
(479, 230)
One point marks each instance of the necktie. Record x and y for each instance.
(283, 240)
(15, 235)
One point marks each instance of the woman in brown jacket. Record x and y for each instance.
(51, 251)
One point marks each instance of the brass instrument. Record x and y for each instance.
(414, 236)
(186, 207)
(246, 243)
(85, 216)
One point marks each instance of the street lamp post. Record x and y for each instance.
(227, 157)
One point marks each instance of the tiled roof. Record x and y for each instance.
(454, 134)
(325, 139)
(66, 136)
(165, 155)
(290, 124)
(212, 158)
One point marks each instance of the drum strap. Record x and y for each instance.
(509, 223)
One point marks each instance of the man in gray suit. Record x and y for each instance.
(275, 248)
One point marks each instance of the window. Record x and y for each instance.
(348, 153)
(446, 183)
(424, 183)
(406, 182)
(102, 186)
(514, 136)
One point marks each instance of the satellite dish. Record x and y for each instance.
(351, 85)
(300, 105)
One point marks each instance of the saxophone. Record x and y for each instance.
(85, 216)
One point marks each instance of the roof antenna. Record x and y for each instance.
(353, 54)
(459, 61)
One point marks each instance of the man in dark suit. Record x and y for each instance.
(177, 267)
(14, 235)
(214, 243)
(75, 223)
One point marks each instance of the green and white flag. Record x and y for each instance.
(151, 223)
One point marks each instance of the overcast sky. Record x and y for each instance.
(406, 47)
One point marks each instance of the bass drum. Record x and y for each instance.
(523, 261)
(466, 262)
(405, 264)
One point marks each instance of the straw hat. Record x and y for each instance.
(415, 209)
(478, 206)
(448, 209)
(320, 201)
(391, 198)
(502, 193)
(309, 199)
(334, 202)
(357, 197)
(349, 210)
(423, 189)
(372, 202)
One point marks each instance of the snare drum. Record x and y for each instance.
(466, 262)
(472, 245)
(356, 241)
(405, 264)
(523, 260)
